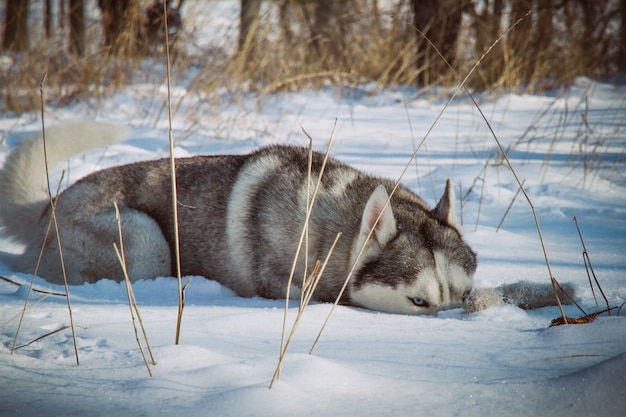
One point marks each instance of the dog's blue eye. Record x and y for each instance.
(419, 302)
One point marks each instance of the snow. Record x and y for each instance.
(569, 148)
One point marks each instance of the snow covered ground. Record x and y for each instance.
(568, 146)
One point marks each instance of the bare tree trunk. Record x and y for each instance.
(541, 43)
(321, 31)
(589, 45)
(47, 18)
(77, 27)
(248, 19)
(284, 22)
(61, 14)
(15, 37)
(487, 27)
(440, 22)
(520, 56)
(121, 21)
(328, 32)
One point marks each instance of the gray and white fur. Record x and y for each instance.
(240, 218)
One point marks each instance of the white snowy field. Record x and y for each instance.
(568, 146)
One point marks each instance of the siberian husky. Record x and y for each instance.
(240, 219)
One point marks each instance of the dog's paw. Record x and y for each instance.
(482, 298)
(523, 294)
(530, 296)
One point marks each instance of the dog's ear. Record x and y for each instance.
(444, 212)
(385, 229)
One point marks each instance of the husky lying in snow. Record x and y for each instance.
(240, 218)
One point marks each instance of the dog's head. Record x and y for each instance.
(415, 261)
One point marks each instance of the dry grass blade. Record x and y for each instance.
(32, 280)
(173, 175)
(483, 182)
(39, 291)
(532, 207)
(21, 314)
(570, 298)
(428, 161)
(56, 225)
(130, 305)
(53, 220)
(506, 213)
(305, 226)
(285, 345)
(306, 230)
(590, 271)
(308, 291)
(308, 285)
(304, 238)
(42, 337)
(132, 302)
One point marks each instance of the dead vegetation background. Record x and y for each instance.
(91, 48)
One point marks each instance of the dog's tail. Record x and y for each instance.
(23, 195)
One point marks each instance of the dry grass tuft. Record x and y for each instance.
(587, 318)
(290, 48)
(309, 281)
(132, 301)
(52, 221)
